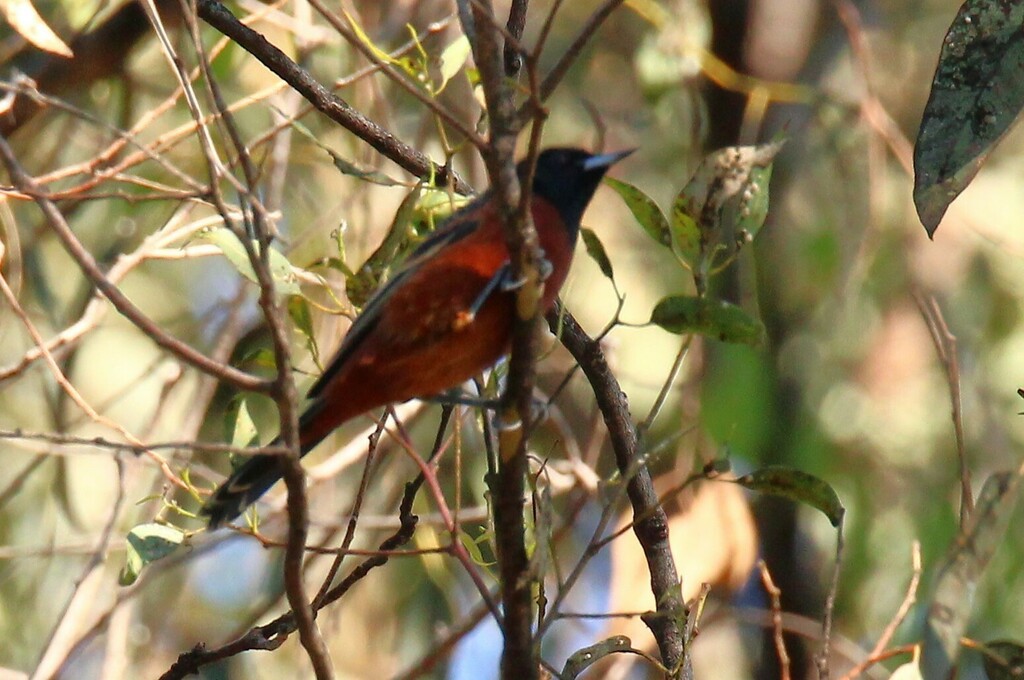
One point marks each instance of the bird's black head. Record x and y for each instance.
(568, 178)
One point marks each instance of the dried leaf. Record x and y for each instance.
(23, 18)
(588, 656)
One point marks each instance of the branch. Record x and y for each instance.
(272, 635)
(394, 75)
(520, 657)
(651, 523)
(334, 107)
(283, 388)
(567, 59)
(512, 55)
(238, 379)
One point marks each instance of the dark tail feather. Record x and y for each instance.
(251, 480)
(242, 489)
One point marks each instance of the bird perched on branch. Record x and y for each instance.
(443, 318)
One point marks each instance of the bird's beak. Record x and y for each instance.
(605, 160)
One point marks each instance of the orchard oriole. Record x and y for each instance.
(444, 317)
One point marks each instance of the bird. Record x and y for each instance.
(444, 317)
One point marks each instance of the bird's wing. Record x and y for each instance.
(458, 226)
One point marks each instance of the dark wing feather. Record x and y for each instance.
(458, 226)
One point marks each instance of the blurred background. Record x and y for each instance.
(847, 385)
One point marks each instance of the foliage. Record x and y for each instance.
(812, 343)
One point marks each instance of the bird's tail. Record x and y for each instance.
(255, 476)
(243, 488)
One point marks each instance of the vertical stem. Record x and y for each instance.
(520, 658)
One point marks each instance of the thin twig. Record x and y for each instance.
(945, 347)
(890, 630)
(283, 390)
(84, 259)
(395, 76)
(62, 639)
(353, 520)
(666, 387)
(568, 58)
(823, 658)
(512, 54)
(72, 391)
(776, 600)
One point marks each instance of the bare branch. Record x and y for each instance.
(88, 265)
(652, 530)
(218, 16)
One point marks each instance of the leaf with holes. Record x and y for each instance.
(977, 95)
(724, 204)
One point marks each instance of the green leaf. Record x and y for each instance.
(367, 174)
(644, 209)
(281, 269)
(472, 546)
(345, 166)
(453, 58)
(147, 543)
(715, 318)
(685, 234)
(1004, 660)
(753, 206)
(958, 578)
(432, 207)
(397, 242)
(380, 54)
(976, 96)
(299, 312)
(239, 427)
(588, 656)
(798, 486)
(597, 252)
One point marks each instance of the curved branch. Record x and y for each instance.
(334, 107)
(651, 526)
